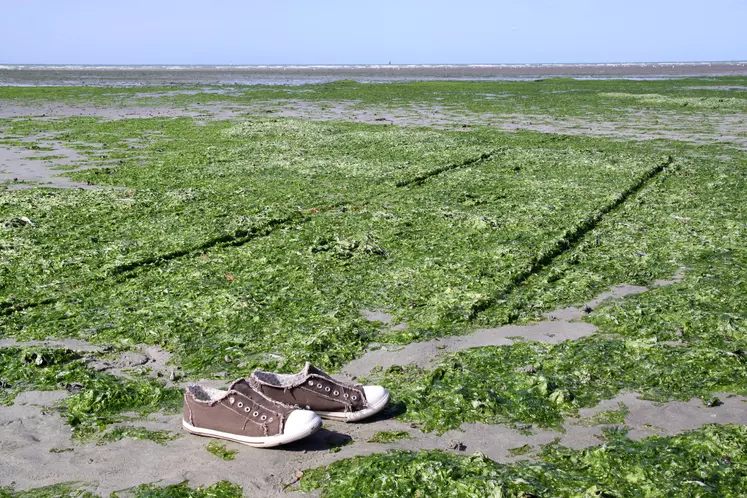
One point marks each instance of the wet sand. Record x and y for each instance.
(24, 168)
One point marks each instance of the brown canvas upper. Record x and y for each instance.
(240, 410)
(311, 389)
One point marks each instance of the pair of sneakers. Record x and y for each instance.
(269, 409)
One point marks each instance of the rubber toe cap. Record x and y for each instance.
(375, 395)
(300, 421)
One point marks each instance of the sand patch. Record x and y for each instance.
(25, 168)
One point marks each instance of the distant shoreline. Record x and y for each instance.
(156, 75)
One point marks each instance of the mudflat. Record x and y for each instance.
(548, 275)
(381, 73)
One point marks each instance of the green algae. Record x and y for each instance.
(705, 462)
(220, 451)
(683, 334)
(387, 437)
(607, 416)
(488, 384)
(45, 158)
(669, 101)
(181, 490)
(104, 399)
(65, 490)
(98, 399)
(118, 433)
(25, 369)
(132, 257)
(520, 450)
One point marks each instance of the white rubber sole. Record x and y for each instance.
(356, 416)
(257, 442)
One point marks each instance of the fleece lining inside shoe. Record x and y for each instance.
(281, 380)
(206, 394)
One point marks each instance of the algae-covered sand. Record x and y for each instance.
(550, 276)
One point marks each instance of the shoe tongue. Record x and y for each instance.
(310, 369)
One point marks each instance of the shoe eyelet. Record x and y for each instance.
(346, 395)
(269, 420)
(336, 393)
(247, 409)
(263, 417)
(318, 386)
(255, 414)
(240, 404)
(326, 389)
(231, 400)
(311, 382)
(354, 398)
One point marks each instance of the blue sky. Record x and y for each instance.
(349, 32)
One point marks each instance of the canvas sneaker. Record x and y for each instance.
(245, 416)
(313, 389)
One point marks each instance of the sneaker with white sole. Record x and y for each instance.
(245, 416)
(313, 389)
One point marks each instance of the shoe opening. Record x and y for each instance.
(206, 394)
(281, 380)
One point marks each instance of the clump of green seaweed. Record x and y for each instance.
(520, 450)
(118, 433)
(96, 400)
(220, 450)
(491, 385)
(607, 416)
(389, 436)
(182, 490)
(706, 462)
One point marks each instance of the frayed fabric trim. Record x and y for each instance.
(281, 380)
(205, 395)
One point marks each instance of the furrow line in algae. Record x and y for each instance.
(569, 239)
